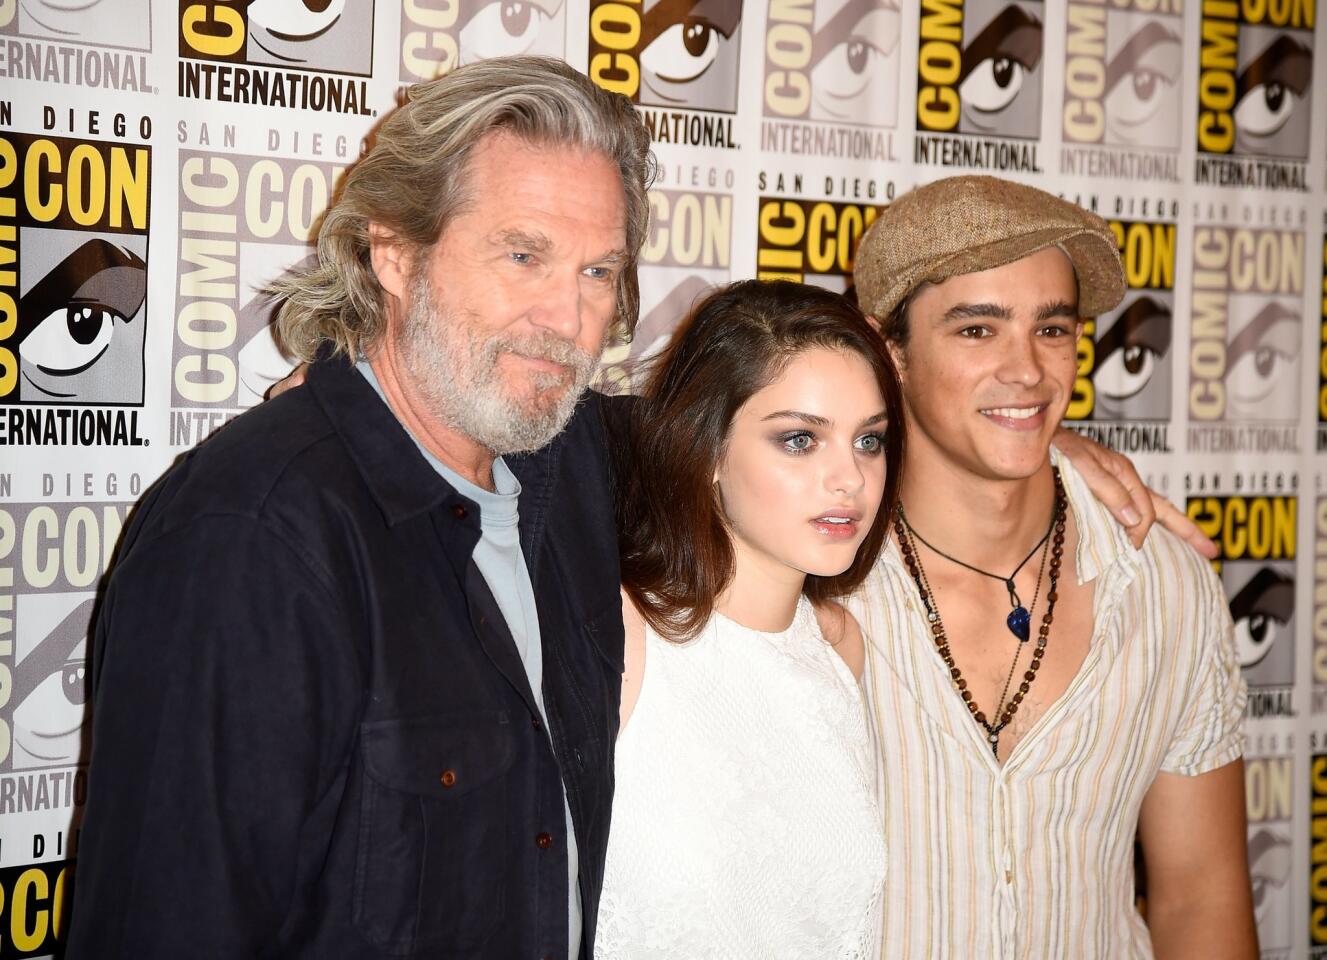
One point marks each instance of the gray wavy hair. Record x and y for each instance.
(413, 181)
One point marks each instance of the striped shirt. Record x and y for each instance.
(1034, 858)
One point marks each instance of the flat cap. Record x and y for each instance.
(968, 224)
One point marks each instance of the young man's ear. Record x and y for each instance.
(391, 262)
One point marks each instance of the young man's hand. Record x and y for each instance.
(1113, 480)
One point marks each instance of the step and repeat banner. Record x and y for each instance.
(161, 161)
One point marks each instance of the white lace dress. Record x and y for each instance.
(744, 817)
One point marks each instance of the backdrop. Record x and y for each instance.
(160, 161)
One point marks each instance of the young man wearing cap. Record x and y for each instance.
(1042, 691)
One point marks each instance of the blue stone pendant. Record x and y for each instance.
(1019, 623)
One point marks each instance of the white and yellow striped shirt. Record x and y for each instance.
(1034, 859)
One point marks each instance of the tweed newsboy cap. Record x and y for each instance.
(968, 224)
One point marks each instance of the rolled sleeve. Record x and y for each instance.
(1212, 733)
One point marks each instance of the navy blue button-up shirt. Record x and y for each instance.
(312, 733)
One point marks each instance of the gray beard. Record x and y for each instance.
(455, 371)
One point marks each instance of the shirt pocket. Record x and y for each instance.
(433, 833)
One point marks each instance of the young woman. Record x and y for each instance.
(757, 483)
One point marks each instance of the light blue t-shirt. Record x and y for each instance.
(500, 560)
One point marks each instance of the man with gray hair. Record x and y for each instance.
(357, 668)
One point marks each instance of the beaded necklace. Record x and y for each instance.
(1003, 711)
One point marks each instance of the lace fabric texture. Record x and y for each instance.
(744, 818)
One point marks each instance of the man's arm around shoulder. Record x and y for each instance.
(226, 697)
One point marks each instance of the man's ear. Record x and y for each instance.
(1078, 330)
(391, 262)
(874, 321)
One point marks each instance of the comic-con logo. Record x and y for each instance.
(810, 241)
(221, 42)
(687, 253)
(667, 53)
(1124, 356)
(1247, 311)
(1254, 91)
(36, 908)
(978, 67)
(84, 44)
(243, 220)
(111, 23)
(51, 557)
(672, 57)
(833, 60)
(1269, 795)
(73, 245)
(1122, 75)
(1255, 536)
(439, 35)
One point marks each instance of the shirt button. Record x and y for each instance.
(448, 778)
(543, 841)
(534, 722)
(459, 511)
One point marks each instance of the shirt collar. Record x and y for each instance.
(496, 506)
(397, 475)
(1102, 541)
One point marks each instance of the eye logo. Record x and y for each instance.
(1269, 91)
(80, 333)
(689, 56)
(1256, 77)
(1255, 536)
(50, 695)
(1261, 612)
(837, 63)
(1124, 365)
(1270, 858)
(1122, 70)
(1245, 332)
(1133, 371)
(507, 28)
(855, 64)
(439, 35)
(978, 68)
(673, 53)
(332, 36)
(112, 23)
(1262, 373)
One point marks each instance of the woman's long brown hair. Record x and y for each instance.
(676, 549)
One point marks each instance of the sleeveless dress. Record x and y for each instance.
(744, 815)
